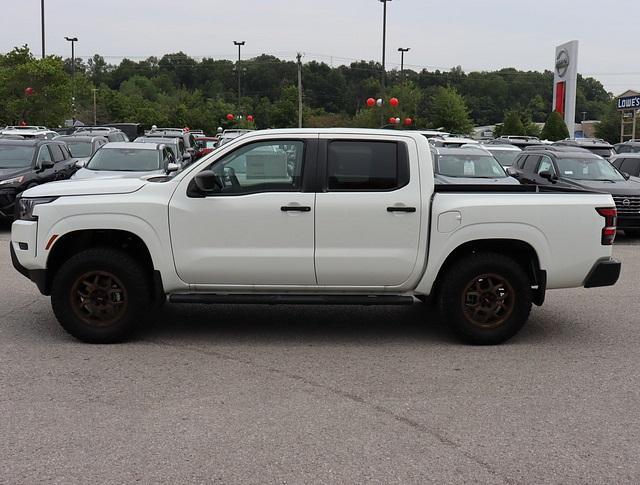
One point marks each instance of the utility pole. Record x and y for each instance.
(384, 41)
(299, 56)
(42, 24)
(402, 50)
(73, 41)
(239, 44)
(95, 111)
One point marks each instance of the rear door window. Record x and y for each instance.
(58, 154)
(631, 166)
(530, 163)
(366, 166)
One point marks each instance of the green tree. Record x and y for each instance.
(555, 128)
(513, 124)
(609, 126)
(450, 112)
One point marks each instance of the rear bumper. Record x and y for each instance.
(38, 276)
(603, 273)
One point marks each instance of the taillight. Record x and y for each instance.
(610, 215)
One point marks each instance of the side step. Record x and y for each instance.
(293, 299)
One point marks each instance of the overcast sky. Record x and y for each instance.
(476, 34)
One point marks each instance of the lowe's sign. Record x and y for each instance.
(629, 102)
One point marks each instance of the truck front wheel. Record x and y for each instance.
(485, 298)
(100, 295)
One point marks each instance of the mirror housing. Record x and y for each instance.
(81, 163)
(208, 182)
(171, 167)
(545, 174)
(512, 172)
(45, 164)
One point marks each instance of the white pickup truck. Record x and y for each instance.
(338, 216)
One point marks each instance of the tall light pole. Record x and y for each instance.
(402, 50)
(42, 24)
(95, 106)
(384, 40)
(239, 44)
(73, 41)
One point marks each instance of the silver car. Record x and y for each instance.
(129, 160)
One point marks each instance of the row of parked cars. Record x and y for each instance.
(570, 164)
(33, 155)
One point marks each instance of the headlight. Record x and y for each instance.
(14, 180)
(25, 207)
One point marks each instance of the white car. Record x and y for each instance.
(321, 216)
(128, 160)
(505, 154)
(29, 132)
(452, 141)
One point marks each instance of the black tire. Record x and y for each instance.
(485, 286)
(101, 295)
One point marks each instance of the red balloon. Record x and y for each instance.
(408, 121)
(371, 102)
(392, 120)
(230, 117)
(28, 91)
(249, 118)
(394, 102)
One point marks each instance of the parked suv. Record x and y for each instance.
(176, 145)
(111, 134)
(579, 168)
(27, 163)
(632, 146)
(594, 145)
(82, 147)
(187, 137)
(468, 165)
(30, 132)
(627, 163)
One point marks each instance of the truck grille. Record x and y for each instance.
(627, 204)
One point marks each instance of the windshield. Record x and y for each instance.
(588, 169)
(15, 156)
(125, 159)
(79, 149)
(505, 157)
(480, 166)
(603, 152)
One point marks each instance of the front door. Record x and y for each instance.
(368, 213)
(259, 228)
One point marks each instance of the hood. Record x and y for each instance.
(86, 187)
(623, 187)
(443, 179)
(9, 173)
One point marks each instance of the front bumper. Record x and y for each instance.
(604, 273)
(625, 221)
(38, 276)
(7, 202)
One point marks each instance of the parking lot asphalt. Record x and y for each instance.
(289, 394)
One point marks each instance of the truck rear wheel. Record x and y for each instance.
(485, 298)
(100, 295)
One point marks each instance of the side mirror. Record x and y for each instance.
(208, 182)
(81, 163)
(512, 172)
(626, 175)
(172, 167)
(551, 177)
(46, 164)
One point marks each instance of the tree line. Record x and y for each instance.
(179, 90)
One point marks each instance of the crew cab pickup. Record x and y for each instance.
(337, 216)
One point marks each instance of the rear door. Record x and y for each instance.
(368, 212)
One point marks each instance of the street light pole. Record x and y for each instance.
(73, 41)
(384, 40)
(402, 50)
(239, 44)
(42, 24)
(95, 111)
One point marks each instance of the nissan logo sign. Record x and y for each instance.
(626, 202)
(562, 62)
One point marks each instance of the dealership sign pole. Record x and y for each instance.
(565, 83)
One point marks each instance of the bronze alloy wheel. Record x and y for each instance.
(98, 298)
(488, 300)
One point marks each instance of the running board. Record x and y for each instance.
(286, 299)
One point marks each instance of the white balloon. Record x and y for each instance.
(397, 120)
(379, 102)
